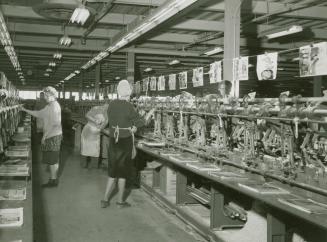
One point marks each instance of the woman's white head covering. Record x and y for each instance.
(50, 91)
(124, 88)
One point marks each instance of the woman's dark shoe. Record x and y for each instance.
(123, 204)
(104, 203)
(51, 183)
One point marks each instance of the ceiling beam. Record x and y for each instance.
(152, 3)
(28, 12)
(261, 7)
(47, 29)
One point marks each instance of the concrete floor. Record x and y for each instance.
(72, 213)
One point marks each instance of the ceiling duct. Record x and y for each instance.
(58, 9)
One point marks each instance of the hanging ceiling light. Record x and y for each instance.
(80, 15)
(65, 40)
(46, 74)
(52, 64)
(281, 31)
(174, 62)
(214, 51)
(148, 69)
(107, 81)
(48, 70)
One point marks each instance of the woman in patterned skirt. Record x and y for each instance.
(52, 133)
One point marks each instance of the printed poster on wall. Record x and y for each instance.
(215, 72)
(182, 80)
(145, 84)
(161, 83)
(267, 66)
(172, 82)
(313, 60)
(241, 68)
(153, 83)
(197, 78)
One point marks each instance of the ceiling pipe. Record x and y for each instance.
(258, 19)
(107, 6)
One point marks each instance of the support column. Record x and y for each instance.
(317, 86)
(232, 40)
(130, 67)
(63, 91)
(97, 80)
(80, 91)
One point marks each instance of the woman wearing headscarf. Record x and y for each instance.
(90, 137)
(52, 133)
(123, 122)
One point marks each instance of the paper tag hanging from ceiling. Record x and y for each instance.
(215, 72)
(182, 80)
(145, 84)
(197, 78)
(137, 87)
(161, 83)
(313, 60)
(267, 66)
(241, 68)
(153, 83)
(172, 82)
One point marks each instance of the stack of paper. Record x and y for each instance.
(265, 188)
(14, 170)
(11, 217)
(183, 158)
(13, 194)
(17, 153)
(19, 147)
(204, 166)
(228, 175)
(153, 143)
(15, 162)
(305, 205)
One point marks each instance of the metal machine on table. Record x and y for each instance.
(283, 139)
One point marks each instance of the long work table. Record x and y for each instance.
(188, 193)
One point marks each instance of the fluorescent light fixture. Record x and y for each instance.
(62, 81)
(65, 40)
(214, 51)
(8, 45)
(159, 16)
(148, 69)
(57, 55)
(80, 15)
(77, 72)
(174, 62)
(279, 32)
(52, 64)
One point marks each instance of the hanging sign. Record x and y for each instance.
(267, 66)
(313, 60)
(182, 80)
(172, 82)
(197, 78)
(241, 68)
(161, 83)
(215, 72)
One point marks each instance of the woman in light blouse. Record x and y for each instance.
(52, 133)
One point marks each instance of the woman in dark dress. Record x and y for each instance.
(123, 123)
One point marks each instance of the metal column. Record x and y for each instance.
(130, 67)
(80, 91)
(317, 86)
(97, 80)
(232, 40)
